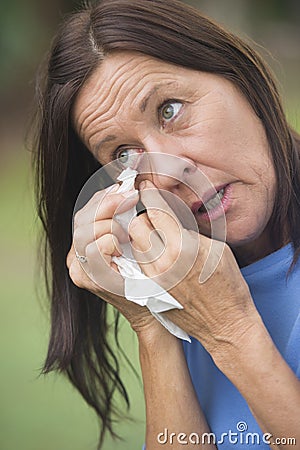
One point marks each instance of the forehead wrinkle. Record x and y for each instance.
(120, 110)
(106, 96)
(120, 70)
(91, 115)
(142, 78)
(114, 76)
(95, 96)
(113, 73)
(145, 83)
(98, 89)
(109, 108)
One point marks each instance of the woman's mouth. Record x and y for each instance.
(215, 206)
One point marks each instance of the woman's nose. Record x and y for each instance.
(167, 170)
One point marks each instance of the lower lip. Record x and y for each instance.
(219, 210)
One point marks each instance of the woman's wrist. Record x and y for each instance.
(238, 341)
(154, 336)
(249, 345)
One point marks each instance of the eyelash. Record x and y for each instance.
(117, 151)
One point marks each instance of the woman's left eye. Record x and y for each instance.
(170, 110)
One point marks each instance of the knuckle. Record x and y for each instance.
(77, 234)
(110, 205)
(115, 228)
(226, 253)
(107, 243)
(97, 196)
(154, 213)
(77, 217)
(174, 254)
(104, 245)
(109, 226)
(70, 258)
(92, 250)
(75, 273)
(162, 265)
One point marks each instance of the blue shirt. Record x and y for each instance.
(277, 299)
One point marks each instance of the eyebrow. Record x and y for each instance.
(145, 100)
(108, 138)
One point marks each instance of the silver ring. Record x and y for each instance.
(82, 259)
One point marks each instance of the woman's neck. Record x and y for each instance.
(255, 250)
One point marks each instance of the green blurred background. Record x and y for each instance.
(46, 413)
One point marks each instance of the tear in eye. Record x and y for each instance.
(129, 157)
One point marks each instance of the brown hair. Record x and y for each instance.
(173, 32)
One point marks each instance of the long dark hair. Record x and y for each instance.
(175, 33)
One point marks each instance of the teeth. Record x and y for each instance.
(213, 202)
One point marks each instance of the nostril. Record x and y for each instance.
(189, 169)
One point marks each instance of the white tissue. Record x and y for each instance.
(138, 287)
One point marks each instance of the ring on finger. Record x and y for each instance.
(82, 259)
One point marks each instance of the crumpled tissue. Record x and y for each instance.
(138, 287)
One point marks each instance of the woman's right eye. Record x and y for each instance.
(129, 157)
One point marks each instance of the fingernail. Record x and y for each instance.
(112, 188)
(130, 194)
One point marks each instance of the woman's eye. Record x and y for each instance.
(129, 157)
(170, 110)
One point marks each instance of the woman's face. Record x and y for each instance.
(134, 103)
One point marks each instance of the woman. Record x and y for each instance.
(125, 78)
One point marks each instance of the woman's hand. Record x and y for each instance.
(218, 310)
(97, 236)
